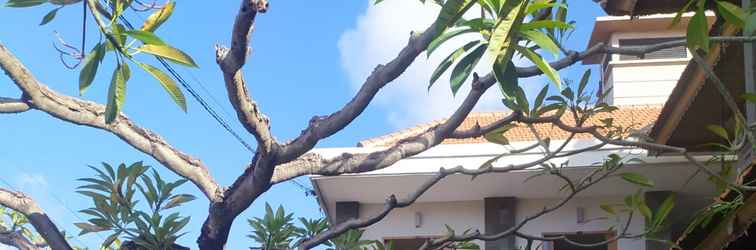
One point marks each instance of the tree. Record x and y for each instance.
(506, 28)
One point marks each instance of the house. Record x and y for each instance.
(646, 90)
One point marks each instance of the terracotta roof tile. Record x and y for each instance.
(637, 117)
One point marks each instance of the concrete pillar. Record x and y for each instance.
(346, 210)
(499, 215)
(654, 199)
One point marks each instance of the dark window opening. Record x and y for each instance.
(668, 53)
(581, 238)
(409, 243)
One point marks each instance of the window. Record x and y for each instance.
(583, 238)
(669, 53)
(409, 243)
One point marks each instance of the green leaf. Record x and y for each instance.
(449, 60)
(584, 81)
(479, 24)
(117, 92)
(169, 53)
(750, 25)
(168, 84)
(23, 3)
(542, 40)
(113, 237)
(145, 36)
(751, 97)
(497, 135)
(698, 33)
(179, 199)
(451, 11)
(501, 38)
(88, 228)
(637, 179)
(91, 63)
(543, 65)
(608, 209)
(547, 24)
(159, 17)
(522, 101)
(732, 13)
(678, 15)
(719, 131)
(539, 98)
(644, 209)
(663, 211)
(539, 5)
(49, 16)
(443, 38)
(465, 66)
(506, 76)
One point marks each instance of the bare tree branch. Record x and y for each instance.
(26, 206)
(231, 61)
(90, 114)
(349, 163)
(18, 240)
(325, 126)
(11, 106)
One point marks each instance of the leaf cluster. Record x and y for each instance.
(116, 209)
(123, 44)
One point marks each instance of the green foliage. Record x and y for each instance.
(698, 28)
(275, 230)
(501, 30)
(116, 210)
(12, 221)
(312, 227)
(122, 50)
(349, 240)
(637, 178)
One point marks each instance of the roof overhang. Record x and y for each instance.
(605, 26)
(693, 104)
(406, 175)
(644, 7)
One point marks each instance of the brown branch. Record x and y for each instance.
(349, 163)
(11, 106)
(231, 61)
(90, 114)
(357, 163)
(42, 224)
(18, 240)
(324, 126)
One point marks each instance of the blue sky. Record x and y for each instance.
(308, 59)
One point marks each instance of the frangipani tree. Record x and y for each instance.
(506, 28)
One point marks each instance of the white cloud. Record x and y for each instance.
(380, 33)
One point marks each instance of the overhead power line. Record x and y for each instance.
(218, 118)
(196, 96)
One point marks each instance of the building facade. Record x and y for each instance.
(496, 202)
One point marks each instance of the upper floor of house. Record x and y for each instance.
(634, 80)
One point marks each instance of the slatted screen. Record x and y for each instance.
(669, 53)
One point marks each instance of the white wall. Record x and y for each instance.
(401, 222)
(565, 219)
(648, 81)
(469, 215)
